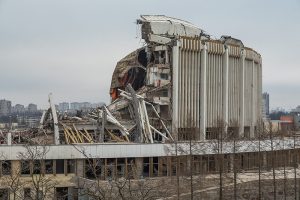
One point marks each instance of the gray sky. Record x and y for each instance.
(70, 47)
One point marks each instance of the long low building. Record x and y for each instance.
(62, 165)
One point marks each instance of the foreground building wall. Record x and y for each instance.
(64, 170)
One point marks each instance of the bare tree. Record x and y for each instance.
(128, 187)
(12, 180)
(33, 160)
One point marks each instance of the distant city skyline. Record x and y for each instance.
(70, 48)
(18, 104)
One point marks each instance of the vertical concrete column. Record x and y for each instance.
(1, 168)
(260, 89)
(54, 167)
(66, 167)
(115, 174)
(169, 166)
(190, 165)
(139, 166)
(231, 163)
(175, 82)
(80, 167)
(70, 193)
(203, 93)
(151, 167)
(126, 168)
(9, 138)
(242, 93)
(105, 168)
(264, 157)
(15, 167)
(225, 87)
(253, 107)
(160, 164)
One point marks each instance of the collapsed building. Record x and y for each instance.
(180, 86)
(193, 81)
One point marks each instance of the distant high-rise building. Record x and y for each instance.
(296, 110)
(97, 105)
(85, 105)
(18, 108)
(266, 103)
(75, 106)
(64, 106)
(32, 107)
(5, 107)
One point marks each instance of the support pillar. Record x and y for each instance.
(151, 167)
(225, 87)
(15, 168)
(242, 93)
(66, 167)
(253, 107)
(264, 159)
(139, 166)
(203, 93)
(80, 168)
(231, 163)
(175, 81)
(9, 138)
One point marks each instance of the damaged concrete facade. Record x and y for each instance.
(193, 81)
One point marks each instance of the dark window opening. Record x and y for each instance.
(165, 93)
(130, 167)
(155, 166)
(6, 167)
(110, 168)
(71, 166)
(25, 167)
(212, 133)
(164, 76)
(247, 132)
(61, 193)
(157, 137)
(120, 167)
(187, 133)
(4, 194)
(49, 166)
(143, 58)
(37, 167)
(27, 193)
(93, 168)
(60, 166)
(233, 132)
(146, 167)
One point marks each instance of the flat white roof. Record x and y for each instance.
(121, 150)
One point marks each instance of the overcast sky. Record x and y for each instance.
(70, 47)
